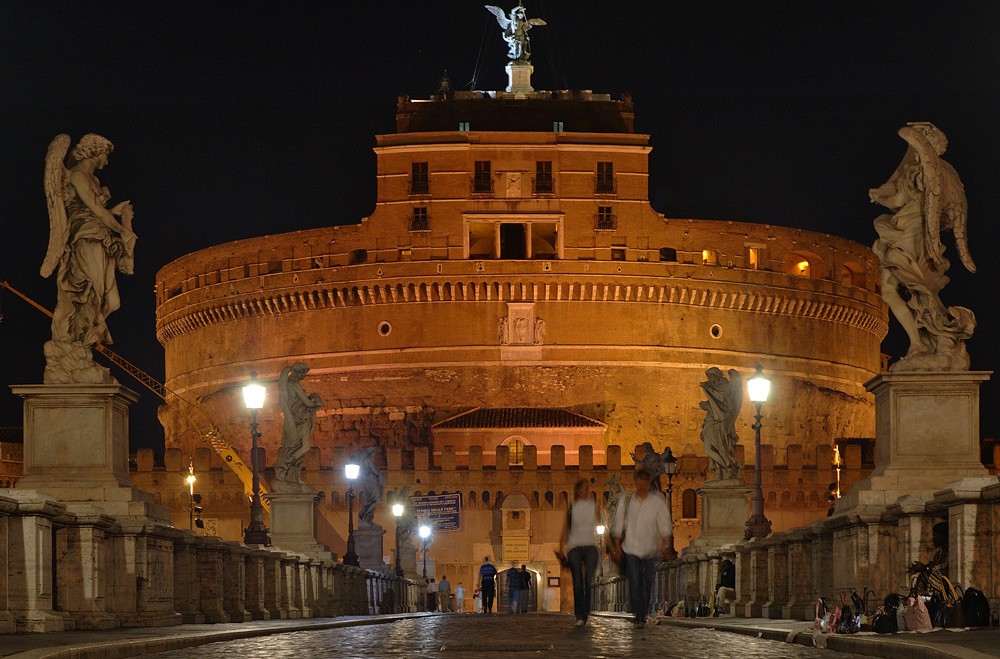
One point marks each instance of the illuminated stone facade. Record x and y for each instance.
(513, 261)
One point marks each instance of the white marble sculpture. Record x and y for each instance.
(372, 484)
(653, 464)
(87, 243)
(718, 431)
(616, 492)
(296, 431)
(515, 31)
(926, 197)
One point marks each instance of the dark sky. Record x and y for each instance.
(236, 122)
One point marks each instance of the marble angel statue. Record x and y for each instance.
(718, 431)
(88, 242)
(926, 197)
(653, 464)
(296, 430)
(515, 31)
(372, 484)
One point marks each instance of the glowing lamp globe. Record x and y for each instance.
(253, 393)
(352, 470)
(425, 531)
(759, 385)
(397, 509)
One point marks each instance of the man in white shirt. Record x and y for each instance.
(643, 519)
(460, 597)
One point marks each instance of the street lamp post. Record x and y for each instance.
(256, 533)
(351, 470)
(425, 537)
(397, 512)
(758, 526)
(194, 500)
(670, 468)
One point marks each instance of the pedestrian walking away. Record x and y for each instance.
(525, 595)
(487, 584)
(578, 546)
(431, 595)
(444, 594)
(641, 528)
(460, 597)
(513, 583)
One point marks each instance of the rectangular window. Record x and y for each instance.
(557, 126)
(420, 221)
(419, 181)
(482, 182)
(605, 220)
(605, 183)
(617, 254)
(543, 177)
(463, 126)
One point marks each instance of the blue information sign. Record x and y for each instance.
(443, 511)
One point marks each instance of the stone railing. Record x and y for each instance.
(782, 575)
(73, 567)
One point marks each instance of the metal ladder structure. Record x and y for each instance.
(206, 429)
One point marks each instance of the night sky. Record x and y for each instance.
(237, 122)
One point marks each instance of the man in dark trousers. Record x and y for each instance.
(525, 589)
(488, 584)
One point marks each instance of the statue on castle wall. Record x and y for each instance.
(515, 31)
(372, 484)
(296, 431)
(718, 431)
(539, 332)
(926, 197)
(88, 242)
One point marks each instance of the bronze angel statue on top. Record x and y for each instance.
(88, 242)
(515, 31)
(718, 431)
(926, 197)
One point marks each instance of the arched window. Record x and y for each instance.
(668, 254)
(804, 264)
(516, 445)
(852, 274)
(709, 257)
(689, 504)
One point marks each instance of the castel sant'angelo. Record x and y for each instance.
(514, 316)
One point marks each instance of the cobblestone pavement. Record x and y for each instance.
(484, 636)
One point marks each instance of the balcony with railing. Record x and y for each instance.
(605, 185)
(543, 186)
(420, 223)
(481, 186)
(419, 187)
(605, 222)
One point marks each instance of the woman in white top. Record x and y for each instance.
(579, 545)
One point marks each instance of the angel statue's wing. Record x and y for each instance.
(956, 214)
(535, 22)
(501, 16)
(735, 396)
(56, 176)
(931, 184)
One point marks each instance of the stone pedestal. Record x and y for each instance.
(724, 512)
(407, 559)
(519, 77)
(76, 447)
(293, 523)
(926, 435)
(368, 545)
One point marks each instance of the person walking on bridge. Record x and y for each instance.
(487, 584)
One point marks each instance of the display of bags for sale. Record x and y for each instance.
(976, 608)
(917, 616)
(946, 610)
(884, 622)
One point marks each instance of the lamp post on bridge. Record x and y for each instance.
(670, 468)
(351, 470)
(253, 398)
(758, 526)
(397, 512)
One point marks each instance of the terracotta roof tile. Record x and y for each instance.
(518, 417)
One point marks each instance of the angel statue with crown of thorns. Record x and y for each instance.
(515, 31)
(87, 243)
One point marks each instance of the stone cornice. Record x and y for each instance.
(580, 288)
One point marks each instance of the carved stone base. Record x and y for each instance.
(293, 523)
(368, 546)
(926, 435)
(519, 77)
(724, 511)
(76, 447)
